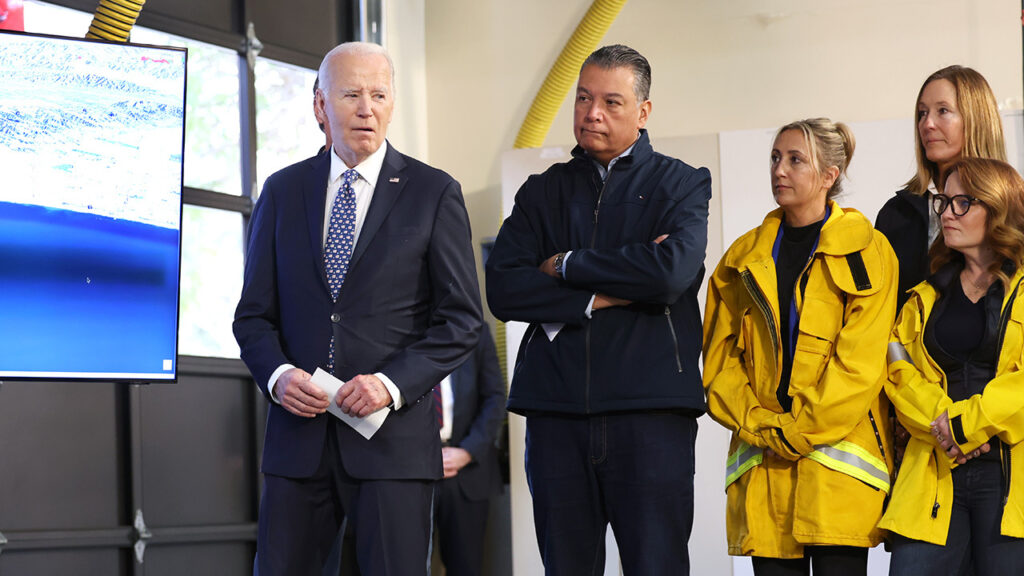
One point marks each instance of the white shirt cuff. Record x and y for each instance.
(273, 380)
(396, 394)
(590, 307)
(565, 263)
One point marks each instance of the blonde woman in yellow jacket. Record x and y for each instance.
(956, 381)
(795, 334)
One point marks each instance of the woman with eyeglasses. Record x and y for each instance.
(956, 381)
(795, 331)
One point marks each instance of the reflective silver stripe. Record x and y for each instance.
(898, 352)
(842, 458)
(744, 458)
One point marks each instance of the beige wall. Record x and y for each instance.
(405, 36)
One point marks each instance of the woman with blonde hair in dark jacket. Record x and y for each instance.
(957, 117)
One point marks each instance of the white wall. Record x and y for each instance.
(405, 38)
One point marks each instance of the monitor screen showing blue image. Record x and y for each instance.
(91, 146)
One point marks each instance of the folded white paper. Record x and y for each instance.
(367, 426)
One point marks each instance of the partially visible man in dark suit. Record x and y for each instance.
(359, 262)
(474, 407)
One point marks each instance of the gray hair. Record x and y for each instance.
(619, 56)
(360, 48)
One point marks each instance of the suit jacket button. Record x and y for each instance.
(335, 317)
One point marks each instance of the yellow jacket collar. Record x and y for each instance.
(846, 231)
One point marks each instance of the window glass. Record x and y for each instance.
(212, 131)
(287, 129)
(213, 147)
(211, 281)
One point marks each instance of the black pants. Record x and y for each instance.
(633, 471)
(461, 527)
(825, 560)
(299, 520)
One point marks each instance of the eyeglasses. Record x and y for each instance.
(960, 203)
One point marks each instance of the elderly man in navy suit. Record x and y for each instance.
(359, 262)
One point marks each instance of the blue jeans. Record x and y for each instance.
(632, 470)
(974, 540)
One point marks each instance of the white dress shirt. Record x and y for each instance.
(363, 187)
(447, 408)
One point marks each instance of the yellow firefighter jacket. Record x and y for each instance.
(923, 495)
(827, 480)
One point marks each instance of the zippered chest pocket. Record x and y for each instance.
(819, 325)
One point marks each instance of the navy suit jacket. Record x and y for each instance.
(479, 408)
(409, 308)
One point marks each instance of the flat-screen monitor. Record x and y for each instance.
(91, 146)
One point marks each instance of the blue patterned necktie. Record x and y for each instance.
(338, 248)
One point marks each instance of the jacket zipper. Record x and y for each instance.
(1004, 460)
(878, 436)
(766, 310)
(525, 348)
(593, 241)
(922, 322)
(1004, 452)
(675, 341)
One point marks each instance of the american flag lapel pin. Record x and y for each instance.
(393, 180)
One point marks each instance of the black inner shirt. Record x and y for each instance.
(962, 336)
(794, 253)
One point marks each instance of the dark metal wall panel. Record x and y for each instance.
(305, 27)
(60, 467)
(199, 560)
(198, 459)
(298, 32)
(68, 463)
(79, 562)
(222, 15)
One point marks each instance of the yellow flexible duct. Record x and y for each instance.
(549, 99)
(113, 19)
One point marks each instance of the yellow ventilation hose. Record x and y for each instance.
(113, 19)
(549, 99)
